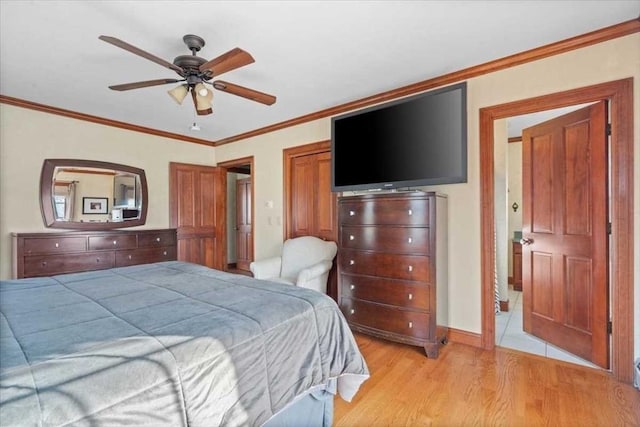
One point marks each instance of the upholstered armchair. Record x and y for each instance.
(305, 262)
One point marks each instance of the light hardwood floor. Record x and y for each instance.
(471, 386)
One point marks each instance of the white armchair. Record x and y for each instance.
(305, 262)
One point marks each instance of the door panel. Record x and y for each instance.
(302, 183)
(542, 183)
(565, 256)
(325, 209)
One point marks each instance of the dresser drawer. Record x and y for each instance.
(394, 211)
(401, 293)
(145, 256)
(154, 240)
(50, 265)
(389, 319)
(115, 241)
(52, 245)
(408, 240)
(408, 267)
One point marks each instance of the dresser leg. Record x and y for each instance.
(432, 350)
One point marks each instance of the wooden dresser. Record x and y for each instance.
(392, 266)
(48, 254)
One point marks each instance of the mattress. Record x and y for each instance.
(169, 343)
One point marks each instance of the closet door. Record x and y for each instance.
(310, 206)
(197, 211)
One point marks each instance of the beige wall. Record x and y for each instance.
(612, 60)
(28, 137)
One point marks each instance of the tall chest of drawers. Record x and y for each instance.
(392, 266)
(48, 254)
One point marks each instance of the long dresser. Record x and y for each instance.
(47, 254)
(392, 266)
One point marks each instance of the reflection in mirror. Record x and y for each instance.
(92, 195)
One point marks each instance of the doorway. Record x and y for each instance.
(239, 214)
(573, 334)
(620, 96)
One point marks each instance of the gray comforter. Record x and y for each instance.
(166, 344)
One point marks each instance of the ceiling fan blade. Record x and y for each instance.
(137, 85)
(126, 46)
(231, 60)
(244, 92)
(202, 112)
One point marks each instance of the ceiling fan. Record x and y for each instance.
(196, 72)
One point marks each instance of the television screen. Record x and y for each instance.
(421, 140)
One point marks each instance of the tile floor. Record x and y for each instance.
(509, 334)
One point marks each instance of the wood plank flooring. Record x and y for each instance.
(468, 386)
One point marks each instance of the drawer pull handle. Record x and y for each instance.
(351, 262)
(157, 239)
(352, 213)
(410, 212)
(352, 311)
(44, 263)
(351, 237)
(411, 268)
(410, 240)
(410, 297)
(57, 245)
(352, 287)
(129, 256)
(164, 253)
(115, 242)
(97, 259)
(410, 325)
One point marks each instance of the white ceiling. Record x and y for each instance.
(311, 54)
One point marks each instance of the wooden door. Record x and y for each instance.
(310, 206)
(564, 253)
(197, 201)
(244, 250)
(313, 204)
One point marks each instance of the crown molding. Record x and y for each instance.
(17, 102)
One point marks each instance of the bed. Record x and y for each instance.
(174, 344)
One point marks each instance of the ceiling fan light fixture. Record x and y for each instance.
(178, 93)
(203, 102)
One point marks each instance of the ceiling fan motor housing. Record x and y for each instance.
(191, 63)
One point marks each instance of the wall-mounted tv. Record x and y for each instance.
(415, 141)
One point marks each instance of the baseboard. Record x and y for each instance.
(504, 305)
(465, 337)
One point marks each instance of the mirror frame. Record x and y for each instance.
(46, 192)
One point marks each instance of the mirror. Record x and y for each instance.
(92, 195)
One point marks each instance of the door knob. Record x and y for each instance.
(524, 241)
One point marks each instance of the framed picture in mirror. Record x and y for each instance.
(95, 205)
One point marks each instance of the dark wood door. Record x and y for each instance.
(310, 206)
(564, 252)
(244, 250)
(313, 204)
(197, 201)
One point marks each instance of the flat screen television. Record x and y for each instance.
(416, 141)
